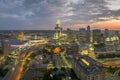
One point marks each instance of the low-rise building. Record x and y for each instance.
(86, 68)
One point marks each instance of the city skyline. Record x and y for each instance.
(43, 14)
(84, 54)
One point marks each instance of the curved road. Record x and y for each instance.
(17, 73)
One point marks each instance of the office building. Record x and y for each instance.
(112, 43)
(82, 35)
(97, 38)
(73, 48)
(106, 33)
(88, 34)
(70, 35)
(6, 47)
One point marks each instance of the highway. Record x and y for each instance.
(19, 68)
(17, 72)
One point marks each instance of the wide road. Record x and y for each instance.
(19, 68)
(17, 73)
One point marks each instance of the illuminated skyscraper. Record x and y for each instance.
(58, 29)
(58, 32)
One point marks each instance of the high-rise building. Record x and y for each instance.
(70, 35)
(97, 36)
(106, 33)
(58, 32)
(88, 34)
(82, 35)
(6, 47)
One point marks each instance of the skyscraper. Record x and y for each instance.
(70, 35)
(106, 33)
(58, 31)
(88, 34)
(82, 35)
(97, 36)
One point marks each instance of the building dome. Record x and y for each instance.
(108, 39)
(21, 36)
(113, 38)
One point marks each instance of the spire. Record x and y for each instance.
(58, 23)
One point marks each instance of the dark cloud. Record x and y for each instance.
(32, 2)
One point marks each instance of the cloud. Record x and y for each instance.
(113, 5)
(39, 13)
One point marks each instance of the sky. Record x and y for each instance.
(74, 14)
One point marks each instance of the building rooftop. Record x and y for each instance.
(15, 41)
(87, 64)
